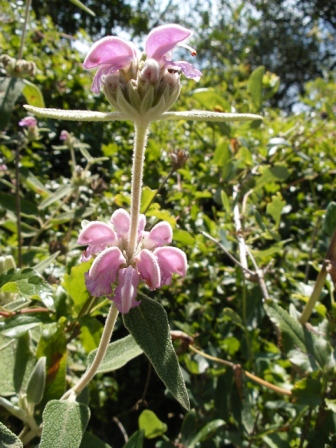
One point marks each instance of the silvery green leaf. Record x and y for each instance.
(75, 115)
(204, 115)
(36, 382)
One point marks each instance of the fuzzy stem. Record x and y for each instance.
(18, 205)
(105, 339)
(24, 29)
(140, 141)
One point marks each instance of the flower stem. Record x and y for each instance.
(140, 141)
(105, 339)
(24, 28)
(330, 258)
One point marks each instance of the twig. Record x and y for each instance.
(121, 427)
(232, 258)
(254, 378)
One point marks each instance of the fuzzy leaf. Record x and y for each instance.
(64, 423)
(148, 324)
(293, 336)
(118, 354)
(29, 284)
(10, 90)
(8, 439)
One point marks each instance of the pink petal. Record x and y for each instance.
(104, 271)
(97, 232)
(126, 291)
(160, 235)
(171, 260)
(121, 221)
(111, 51)
(163, 39)
(186, 68)
(92, 250)
(149, 268)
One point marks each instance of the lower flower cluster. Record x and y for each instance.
(153, 262)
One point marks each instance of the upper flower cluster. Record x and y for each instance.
(135, 84)
(153, 262)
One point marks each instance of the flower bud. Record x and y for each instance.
(151, 71)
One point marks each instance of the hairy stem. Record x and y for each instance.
(24, 28)
(18, 205)
(140, 141)
(105, 339)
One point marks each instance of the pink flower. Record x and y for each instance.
(64, 135)
(112, 54)
(28, 122)
(160, 44)
(153, 263)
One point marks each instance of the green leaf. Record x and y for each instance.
(136, 440)
(16, 326)
(307, 392)
(275, 208)
(17, 362)
(32, 182)
(10, 90)
(148, 324)
(90, 440)
(188, 430)
(74, 284)
(53, 345)
(210, 99)
(8, 439)
(276, 173)
(64, 423)
(225, 202)
(254, 86)
(293, 336)
(117, 355)
(222, 153)
(205, 432)
(32, 94)
(36, 382)
(83, 7)
(77, 213)
(231, 316)
(329, 223)
(90, 333)
(60, 193)
(8, 202)
(184, 237)
(152, 426)
(146, 198)
(29, 284)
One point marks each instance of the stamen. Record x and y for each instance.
(193, 52)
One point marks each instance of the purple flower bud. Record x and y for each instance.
(28, 122)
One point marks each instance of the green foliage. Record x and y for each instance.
(118, 354)
(151, 425)
(149, 327)
(276, 178)
(8, 439)
(64, 424)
